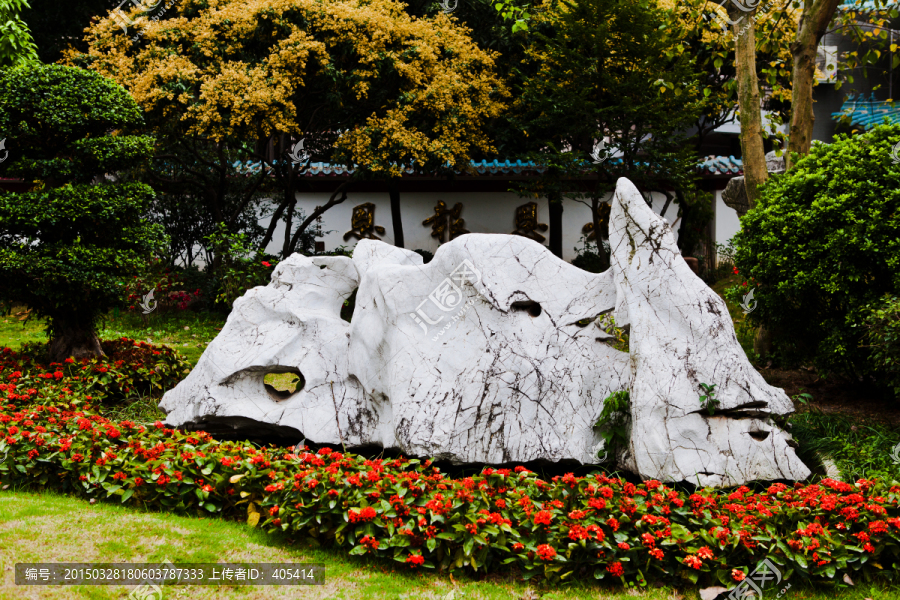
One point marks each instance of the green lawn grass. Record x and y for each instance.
(14, 333)
(187, 331)
(48, 527)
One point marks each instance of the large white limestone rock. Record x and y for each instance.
(293, 324)
(493, 353)
(489, 353)
(681, 336)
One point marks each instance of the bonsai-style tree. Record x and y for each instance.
(67, 244)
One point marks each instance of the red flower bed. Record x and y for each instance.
(412, 513)
(129, 368)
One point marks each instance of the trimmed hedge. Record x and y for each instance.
(821, 250)
(412, 513)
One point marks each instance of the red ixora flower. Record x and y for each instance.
(266, 264)
(369, 542)
(546, 552)
(365, 514)
(543, 517)
(415, 560)
(615, 569)
(693, 561)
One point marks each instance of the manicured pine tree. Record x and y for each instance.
(68, 244)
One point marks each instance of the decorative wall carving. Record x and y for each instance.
(527, 222)
(446, 219)
(362, 223)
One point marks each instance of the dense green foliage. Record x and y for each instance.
(592, 103)
(242, 267)
(614, 423)
(883, 337)
(821, 248)
(593, 71)
(16, 44)
(66, 245)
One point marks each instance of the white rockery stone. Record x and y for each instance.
(489, 353)
(494, 353)
(681, 335)
(291, 325)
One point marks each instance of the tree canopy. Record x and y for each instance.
(385, 89)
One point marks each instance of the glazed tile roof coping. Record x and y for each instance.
(721, 165)
(867, 113)
(866, 5)
(712, 165)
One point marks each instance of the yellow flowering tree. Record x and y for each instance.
(361, 83)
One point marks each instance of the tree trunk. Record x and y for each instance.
(754, 156)
(396, 219)
(595, 217)
(813, 23)
(683, 235)
(762, 343)
(286, 249)
(556, 210)
(71, 338)
(319, 211)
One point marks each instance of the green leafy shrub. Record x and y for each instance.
(130, 368)
(169, 291)
(614, 422)
(708, 400)
(591, 262)
(822, 245)
(67, 245)
(882, 327)
(242, 267)
(620, 336)
(724, 263)
(16, 44)
(410, 512)
(590, 257)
